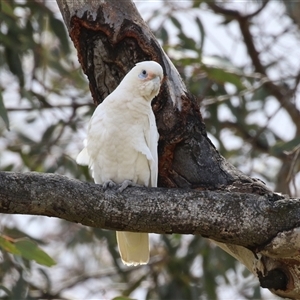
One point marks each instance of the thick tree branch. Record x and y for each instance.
(253, 228)
(250, 220)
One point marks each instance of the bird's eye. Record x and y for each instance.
(143, 74)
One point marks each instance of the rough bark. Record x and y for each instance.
(250, 220)
(255, 228)
(229, 207)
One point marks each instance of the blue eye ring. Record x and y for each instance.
(143, 74)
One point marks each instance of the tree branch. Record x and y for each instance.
(251, 220)
(241, 220)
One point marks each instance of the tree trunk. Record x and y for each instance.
(110, 37)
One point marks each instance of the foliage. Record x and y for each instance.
(44, 100)
(27, 249)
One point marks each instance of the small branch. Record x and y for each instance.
(212, 100)
(231, 13)
(243, 219)
(235, 14)
(74, 280)
(264, 4)
(71, 105)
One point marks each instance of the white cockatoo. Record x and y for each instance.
(121, 145)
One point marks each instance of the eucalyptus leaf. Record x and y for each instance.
(222, 76)
(3, 112)
(123, 298)
(8, 246)
(30, 250)
(59, 30)
(176, 23)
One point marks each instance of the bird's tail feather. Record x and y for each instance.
(133, 247)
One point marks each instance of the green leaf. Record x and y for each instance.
(8, 246)
(27, 249)
(14, 62)
(187, 42)
(25, 139)
(6, 290)
(202, 32)
(197, 3)
(282, 146)
(19, 289)
(48, 133)
(30, 250)
(260, 94)
(219, 62)
(7, 9)
(163, 34)
(122, 298)
(3, 112)
(14, 233)
(59, 30)
(222, 76)
(176, 23)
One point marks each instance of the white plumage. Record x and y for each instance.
(121, 145)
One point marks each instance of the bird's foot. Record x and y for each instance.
(108, 184)
(125, 184)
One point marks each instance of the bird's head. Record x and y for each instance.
(145, 78)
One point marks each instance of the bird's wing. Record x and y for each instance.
(152, 144)
(147, 145)
(83, 157)
(93, 140)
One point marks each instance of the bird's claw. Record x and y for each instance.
(125, 184)
(108, 184)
